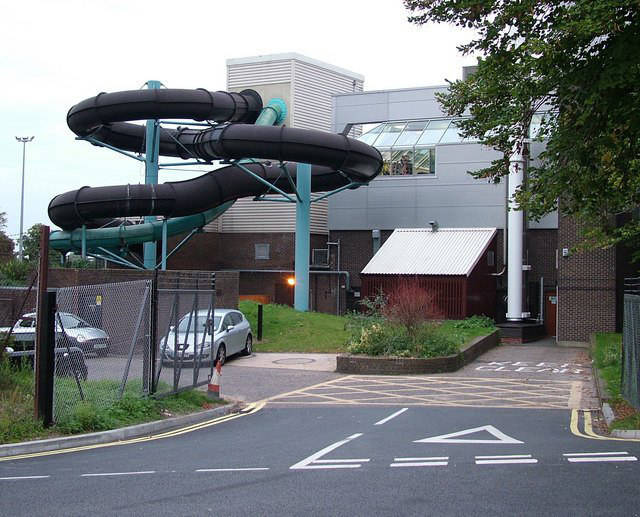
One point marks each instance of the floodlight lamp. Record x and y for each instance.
(291, 281)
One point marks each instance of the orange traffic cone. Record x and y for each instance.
(213, 388)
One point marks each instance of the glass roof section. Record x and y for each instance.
(391, 135)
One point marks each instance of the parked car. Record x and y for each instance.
(69, 361)
(77, 333)
(228, 329)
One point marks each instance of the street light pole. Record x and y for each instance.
(24, 140)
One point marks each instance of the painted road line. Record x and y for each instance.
(505, 460)
(355, 460)
(602, 459)
(101, 474)
(434, 461)
(17, 478)
(503, 457)
(250, 409)
(314, 461)
(385, 420)
(594, 457)
(589, 434)
(595, 453)
(243, 469)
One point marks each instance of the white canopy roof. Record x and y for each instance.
(421, 251)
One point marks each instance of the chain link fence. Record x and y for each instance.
(631, 343)
(102, 344)
(132, 338)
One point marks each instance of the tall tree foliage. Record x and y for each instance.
(6, 243)
(577, 60)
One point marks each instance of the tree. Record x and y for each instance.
(578, 62)
(31, 246)
(6, 243)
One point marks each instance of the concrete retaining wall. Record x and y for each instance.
(369, 365)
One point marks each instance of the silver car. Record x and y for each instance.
(229, 331)
(78, 333)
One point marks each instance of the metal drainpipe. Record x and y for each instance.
(337, 243)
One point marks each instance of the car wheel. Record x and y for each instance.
(248, 345)
(221, 356)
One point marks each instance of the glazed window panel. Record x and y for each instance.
(452, 134)
(424, 161)
(389, 134)
(411, 133)
(433, 132)
(386, 162)
(371, 134)
(401, 162)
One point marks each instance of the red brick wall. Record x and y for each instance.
(586, 287)
(218, 251)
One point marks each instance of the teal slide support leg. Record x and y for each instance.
(303, 208)
(164, 246)
(84, 241)
(151, 174)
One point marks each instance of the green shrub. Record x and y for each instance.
(387, 339)
(475, 322)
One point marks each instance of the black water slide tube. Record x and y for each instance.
(336, 159)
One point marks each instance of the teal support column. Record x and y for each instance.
(152, 148)
(303, 208)
(164, 245)
(84, 241)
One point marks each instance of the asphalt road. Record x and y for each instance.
(342, 460)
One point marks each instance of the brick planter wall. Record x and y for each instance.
(369, 365)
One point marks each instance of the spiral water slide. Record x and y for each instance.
(255, 151)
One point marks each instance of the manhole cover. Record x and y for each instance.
(294, 360)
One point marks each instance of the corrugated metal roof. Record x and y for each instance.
(419, 251)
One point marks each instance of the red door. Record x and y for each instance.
(550, 310)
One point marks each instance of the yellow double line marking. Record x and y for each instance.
(250, 409)
(588, 428)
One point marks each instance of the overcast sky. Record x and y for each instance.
(55, 53)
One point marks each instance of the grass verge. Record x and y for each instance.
(100, 411)
(607, 355)
(288, 330)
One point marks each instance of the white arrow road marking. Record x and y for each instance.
(506, 459)
(23, 477)
(314, 461)
(592, 457)
(385, 420)
(500, 437)
(434, 461)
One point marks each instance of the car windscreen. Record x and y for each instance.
(72, 322)
(185, 325)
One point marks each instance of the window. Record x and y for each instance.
(236, 318)
(434, 131)
(411, 133)
(409, 148)
(389, 134)
(262, 251)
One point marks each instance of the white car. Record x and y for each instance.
(78, 333)
(229, 331)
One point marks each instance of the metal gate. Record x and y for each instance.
(184, 352)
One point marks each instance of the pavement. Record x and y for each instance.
(535, 376)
